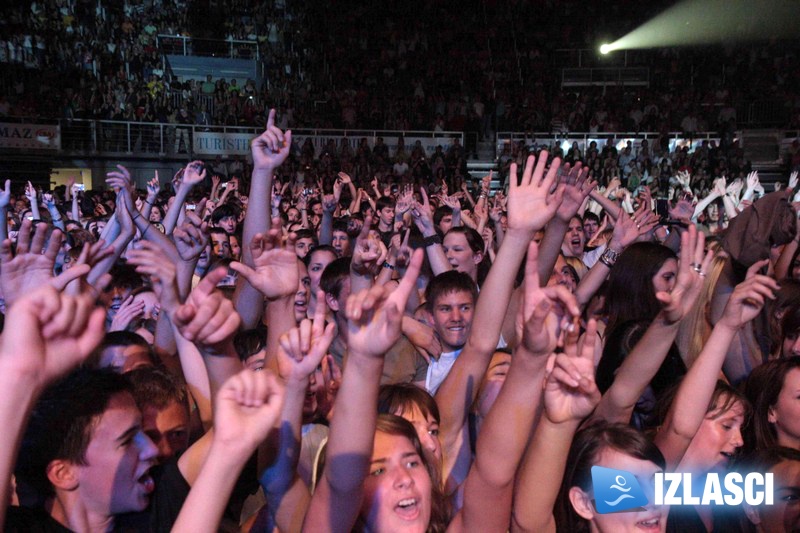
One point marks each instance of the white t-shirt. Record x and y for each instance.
(438, 370)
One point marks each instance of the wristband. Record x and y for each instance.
(433, 239)
(151, 204)
(609, 257)
(388, 265)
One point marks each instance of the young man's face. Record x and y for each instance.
(387, 215)
(228, 224)
(302, 246)
(115, 478)
(221, 245)
(452, 319)
(341, 241)
(168, 428)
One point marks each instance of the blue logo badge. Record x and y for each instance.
(616, 490)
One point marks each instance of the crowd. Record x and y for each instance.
(318, 350)
(357, 65)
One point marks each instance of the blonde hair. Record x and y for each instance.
(695, 328)
(580, 267)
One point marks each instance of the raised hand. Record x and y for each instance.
(535, 200)
(792, 179)
(194, 173)
(682, 211)
(32, 265)
(451, 202)
(404, 201)
(48, 333)
(275, 274)
(329, 203)
(366, 252)
(577, 187)
(422, 213)
(692, 268)
(544, 311)
(150, 260)
(153, 186)
(48, 200)
(91, 254)
(302, 348)
(374, 315)
(271, 148)
(570, 392)
(191, 237)
(30, 193)
(247, 406)
(628, 230)
(129, 310)
(120, 181)
(720, 186)
(749, 296)
(5, 195)
(208, 318)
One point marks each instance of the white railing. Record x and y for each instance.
(191, 46)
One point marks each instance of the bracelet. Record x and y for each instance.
(388, 265)
(609, 257)
(151, 204)
(431, 240)
(136, 214)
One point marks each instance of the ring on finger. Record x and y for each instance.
(696, 267)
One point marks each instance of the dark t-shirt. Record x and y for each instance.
(160, 515)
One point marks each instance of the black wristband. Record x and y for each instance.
(433, 239)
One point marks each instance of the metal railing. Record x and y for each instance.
(619, 139)
(155, 139)
(576, 77)
(191, 46)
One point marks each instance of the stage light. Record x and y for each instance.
(699, 22)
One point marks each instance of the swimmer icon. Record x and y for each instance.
(616, 491)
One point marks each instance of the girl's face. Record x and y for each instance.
(301, 296)
(428, 432)
(397, 492)
(664, 280)
(319, 260)
(716, 442)
(155, 214)
(460, 255)
(785, 414)
(653, 518)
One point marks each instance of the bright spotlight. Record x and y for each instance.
(605, 48)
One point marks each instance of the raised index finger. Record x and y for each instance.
(271, 118)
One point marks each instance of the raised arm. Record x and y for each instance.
(247, 407)
(506, 430)
(531, 203)
(694, 394)
(423, 218)
(576, 188)
(641, 365)
(300, 353)
(46, 334)
(269, 151)
(570, 394)
(374, 318)
(5, 199)
(193, 174)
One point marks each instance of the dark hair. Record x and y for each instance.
(447, 282)
(785, 304)
(340, 224)
(404, 397)
(383, 201)
(476, 244)
(223, 211)
(587, 446)
(124, 276)
(591, 216)
(334, 275)
(441, 212)
(62, 422)
(319, 248)
(157, 388)
(306, 234)
(631, 294)
(250, 341)
(790, 325)
(723, 398)
(763, 386)
(122, 338)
